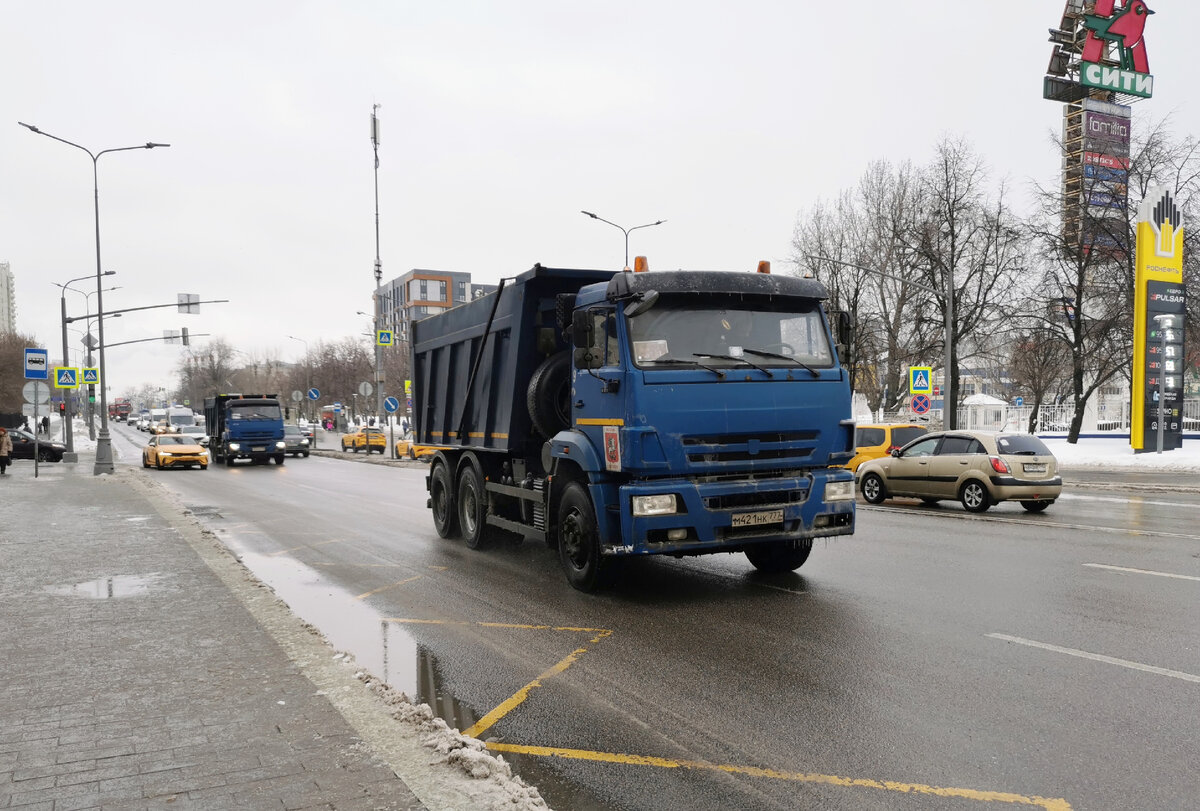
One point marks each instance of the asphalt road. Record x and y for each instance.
(936, 659)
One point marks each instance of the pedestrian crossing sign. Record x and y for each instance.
(385, 337)
(66, 377)
(920, 380)
(91, 375)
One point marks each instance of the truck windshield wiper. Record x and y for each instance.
(678, 361)
(736, 360)
(776, 355)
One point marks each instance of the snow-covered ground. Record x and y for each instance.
(1115, 454)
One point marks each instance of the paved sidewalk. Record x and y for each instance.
(143, 667)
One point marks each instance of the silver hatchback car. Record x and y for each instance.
(976, 468)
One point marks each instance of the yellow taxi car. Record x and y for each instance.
(407, 449)
(877, 441)
(368, 439)
(174, 450)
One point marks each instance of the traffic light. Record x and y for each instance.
(91, 393)
(62, 408)
(183, 334)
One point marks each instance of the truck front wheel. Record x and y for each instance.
(579, 541)
(472, 508)
(441, 501)
(776, 557)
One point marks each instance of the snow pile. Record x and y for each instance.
(504, 790)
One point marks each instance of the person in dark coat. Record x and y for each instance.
(5, 450)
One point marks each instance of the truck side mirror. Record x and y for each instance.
(582, 329)
(641, 305)
(845, 332)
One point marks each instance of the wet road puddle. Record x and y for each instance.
(382, 648)
(109, 588)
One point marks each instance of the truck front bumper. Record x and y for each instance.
(713, 516)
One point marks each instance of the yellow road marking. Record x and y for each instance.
(515, 700)
(1048, 803)
(388, 586)
(518, 698)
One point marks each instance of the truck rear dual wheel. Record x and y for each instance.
(441, 501)
(472, 508)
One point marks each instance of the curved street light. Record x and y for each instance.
(308, 375)
(625, 231)
(104, 457)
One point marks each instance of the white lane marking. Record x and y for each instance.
(1141, 571)
(1114, 500)
(1098, 657)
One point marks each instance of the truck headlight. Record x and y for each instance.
(280, 445)
(839, 491)
(235, 446)
(654, 505)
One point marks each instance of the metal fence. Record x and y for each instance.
(1052, 418)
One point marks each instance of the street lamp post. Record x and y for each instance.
(308, 373)
(68, 436)
(87, 296)
(625, 231)
(949, 412)
(378, 301)
(104, 457)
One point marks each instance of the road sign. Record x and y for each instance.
(297, 396)
(920, 404)
(314, 393)
(920, 380)
(1020, 401)
(66, 377)
(37, 364)
(91, 375)
(391, 405)
(36, 391)
(385, 337)
(365, 389)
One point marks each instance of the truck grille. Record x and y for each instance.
(738, 501)
(761, 447)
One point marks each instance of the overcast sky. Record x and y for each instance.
(500, 122)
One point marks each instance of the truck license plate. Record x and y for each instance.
(1035, 468)
(259, 448)
(758, 518)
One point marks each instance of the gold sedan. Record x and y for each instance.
(174, 450)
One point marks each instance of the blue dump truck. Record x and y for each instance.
(616, 414)
(244, 426)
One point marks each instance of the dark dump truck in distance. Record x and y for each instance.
(244, 426)
(617, 414)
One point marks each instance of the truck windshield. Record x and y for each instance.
(727, 335)
(255, 411)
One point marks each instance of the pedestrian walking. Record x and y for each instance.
(25, 424)
(46, 425)
(5, 450)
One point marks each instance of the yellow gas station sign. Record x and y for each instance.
(1160, 300)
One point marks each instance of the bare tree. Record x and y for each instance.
(968, 247)
(856, 248)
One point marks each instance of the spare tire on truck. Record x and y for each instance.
(549, 395)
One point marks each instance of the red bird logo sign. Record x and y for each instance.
(1125, 28)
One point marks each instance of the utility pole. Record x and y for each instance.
(377, 301)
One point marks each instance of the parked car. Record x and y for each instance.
(978, 468)
(295, 442)
(877, 441)
(174, 450)
(197, 433)
(407, 449)
(23, 442)
(369, 439)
